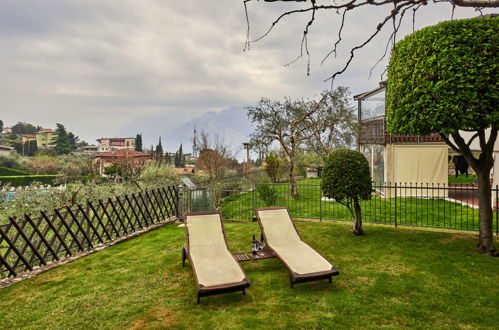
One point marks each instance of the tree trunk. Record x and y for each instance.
(292, 181)
(485, 239)
(357, 221)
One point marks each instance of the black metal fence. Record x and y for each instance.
(37, 240)
(422, 205)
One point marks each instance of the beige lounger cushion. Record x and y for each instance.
(282, 237)
(212, 262)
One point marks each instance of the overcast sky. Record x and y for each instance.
(109, 67)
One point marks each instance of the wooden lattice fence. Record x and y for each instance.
(35, 241)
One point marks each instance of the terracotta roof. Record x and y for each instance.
(123, 153)
(46, 130)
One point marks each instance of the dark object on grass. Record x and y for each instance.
(461, 165)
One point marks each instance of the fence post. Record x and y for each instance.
(253, 197)
(320, 205)
(395, 204)
(497, 211)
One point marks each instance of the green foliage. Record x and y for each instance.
(153, 175)
(462, 178)
(273, 166)
(138, 142)
(14, 161)
(267, 193)
(44, 164)
(112, 170)
(5, 171)
(65, 142)
(26, 180)
(346, 176)
(443, 78)
(28, 148)
(179, 160)
(24, 128)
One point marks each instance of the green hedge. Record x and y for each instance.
(443, 78)
(26, 180)
(5, 171)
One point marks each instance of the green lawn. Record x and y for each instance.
(411, 211)
(389, 278)
(462, 178)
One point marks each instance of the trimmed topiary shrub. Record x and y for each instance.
(347, 179)
(443, 79)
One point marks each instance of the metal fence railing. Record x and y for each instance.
(37, 240)
(422, 205)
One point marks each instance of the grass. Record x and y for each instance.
(462, 178)
(389, 278)
(428, 212)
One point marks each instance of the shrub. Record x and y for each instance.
(113, 169)
(267, 193)
(153, 175)
(347, 179)
(273, 167)
(13, 161)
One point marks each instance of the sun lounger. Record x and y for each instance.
(215, 269)
(280, 235)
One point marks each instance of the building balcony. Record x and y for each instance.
(373, 131)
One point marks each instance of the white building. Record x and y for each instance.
(398, 158)
(108, 144)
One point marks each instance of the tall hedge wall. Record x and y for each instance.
(26, 180)
(5, 171)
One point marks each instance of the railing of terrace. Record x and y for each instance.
(421, 205)
(38, 240)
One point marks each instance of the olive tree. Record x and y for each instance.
(347, 179)
(294, 124)
(443, 79)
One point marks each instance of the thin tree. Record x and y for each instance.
(138, 142)
(214, 156)
(158, 154)
(181, 158)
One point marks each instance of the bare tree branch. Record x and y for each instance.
(397, 13)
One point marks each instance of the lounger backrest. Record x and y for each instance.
(277, 226)
(205, 230)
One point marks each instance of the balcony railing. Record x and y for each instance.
(373, 131)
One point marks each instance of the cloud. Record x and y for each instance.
(106, 67)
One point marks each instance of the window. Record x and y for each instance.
(373, 106)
